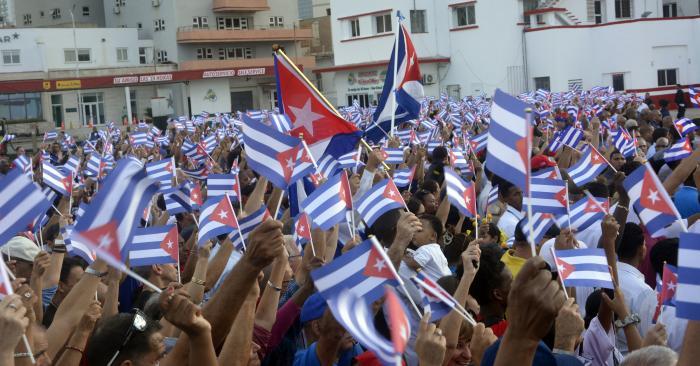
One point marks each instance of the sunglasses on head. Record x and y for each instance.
(139, 323)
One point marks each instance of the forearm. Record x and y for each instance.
(634, 340)
(266, 313)
(111, 305)
(36, 284)
(218, 263)
(331, 244)
(318, 241)
(396, 253)
(691, 352)
(72, 309)
(443, 210)
(196, 290)
(255, 200)
(273, 201)
(202, 350)
(70, 355)
(236, 349)
(190, 266)
(451, 323)
(53, 274)
(681, 172)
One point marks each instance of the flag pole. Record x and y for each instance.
(369, 150)
(531, 234)
(568, 210)
(396, 66)
(561, 279)
(240, 234)
(380, 249)
(172, 161)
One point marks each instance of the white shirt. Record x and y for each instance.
(591, 235)
(675, 327)
(509, 220)
(432, 261)
(483, 198)
(639, 298)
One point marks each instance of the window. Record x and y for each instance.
(92, 108)
(27, 19)
(233, 53)
(668, 77)
(204, 53)
(623, 9)
(231, 23)
(142, 56)
(119, 2)
(328, 11)
(57, 109)
(542, 83)
(273, 99)
(354, 28)
(162, 56)
(465, 15)
(383, 23)
(122, 54)
(132, 101)
(56, 13)
(86, 11)
(618, 82)
(200, 22)
(83, 55)
(363, 99)
(159, 24)
(598, 11)
(276, 22)
(41, 14)
(670, 10)
(139, 25)
(418, 21)
(10, 57)
(21, 106)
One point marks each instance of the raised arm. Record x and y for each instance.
(218, 263)
(681, 173)
(195, 287)
(257, 197)
(73, 351)
(237, 348)
(267, 307)
(72, 308)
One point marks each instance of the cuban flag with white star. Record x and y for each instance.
(650, 200)
(153, 245)
(363, 271)
(312, 117)
(216, 218)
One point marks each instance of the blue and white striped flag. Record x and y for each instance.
(153, 245)
(688, 291)
(583, 267)
(22, 202)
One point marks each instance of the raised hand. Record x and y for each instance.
(482, 338)
(13, 322)
(430, 343)
(182, 313)
(265, 243)
(569, 326)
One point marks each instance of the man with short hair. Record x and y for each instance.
(158, 274)
(72, 270)
(513, 197)
(639, 297)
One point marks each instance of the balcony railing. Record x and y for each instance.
(306, 62)
(191, 34)
(221, 6)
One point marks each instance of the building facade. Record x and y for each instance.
(469, 47)
(57, 13)
(219, 35)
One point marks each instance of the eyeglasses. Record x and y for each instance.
(138, 323)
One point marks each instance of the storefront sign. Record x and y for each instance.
(251, 72)
(373, 77)
(68, 84)
(218, 74)
(154, 78)
(126, 80)
(8, 39)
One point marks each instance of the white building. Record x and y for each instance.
(57, 13)
(219, 35)
(40, 75)
(468, 47)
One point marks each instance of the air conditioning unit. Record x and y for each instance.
(155, 2)
(117, 10)
(428, 79)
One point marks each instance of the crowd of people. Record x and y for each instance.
(223, 306)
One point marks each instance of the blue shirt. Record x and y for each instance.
(308, 357)
(47, 294)
(686, 201)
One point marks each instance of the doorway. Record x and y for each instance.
(93, 108)
(241, 101)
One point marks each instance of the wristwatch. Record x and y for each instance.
(630, 319)
(94, 272)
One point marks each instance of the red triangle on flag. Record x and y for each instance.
(651, 196)
(287, 160)
(68, 183)
(592, 207)
(303, 226)
(565, 269)
(561, 197)
(105, 239)
(469, 199)
(170, 243)
(196, 194)
(392, 192)
(377, 266)
(399, 325)
(169, 167)
(223, 213)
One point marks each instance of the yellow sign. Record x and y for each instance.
(47, 85)
(67, 84)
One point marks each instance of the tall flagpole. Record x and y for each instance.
(396, 66)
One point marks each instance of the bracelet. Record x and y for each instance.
(22, 354)
(95, 272)
(623, 207)
(73, 348)
(269, 283)
(197, 281)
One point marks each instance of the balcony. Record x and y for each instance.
(222, 6)
(305, 62)
(209, 35)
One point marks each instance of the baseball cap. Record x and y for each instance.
(631, 123)
(313, 308)
(21, 248)
(541, 161)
